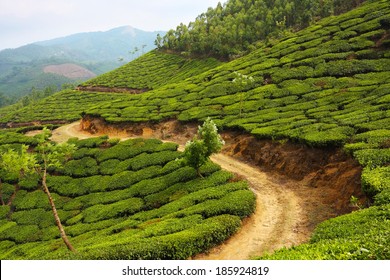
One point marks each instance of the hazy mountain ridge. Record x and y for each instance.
(98, 52)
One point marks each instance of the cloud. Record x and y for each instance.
(23, 9)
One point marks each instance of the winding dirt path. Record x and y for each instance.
(280, 219)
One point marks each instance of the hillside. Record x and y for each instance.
(94, 53)
(313, 106)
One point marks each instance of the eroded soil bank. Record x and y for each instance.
(297, 187)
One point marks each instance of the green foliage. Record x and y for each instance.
(208, 132)
(152, 70)
(81, 168)
(37, 216)
(145, 197)
(333, 80)
(19, 163)
(4, 210)
(383, 197)
(89, 142)
(103, 212)
(234, 27)
(195, 153)
(363, 234)
(324, 86)
(31, 200)
(205, 143)
(205, 235)
(373, 157)
(375, 180)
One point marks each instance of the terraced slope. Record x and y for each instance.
(151, 71)
(131, 200)
(326, 86)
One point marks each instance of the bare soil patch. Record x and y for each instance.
(69, 70)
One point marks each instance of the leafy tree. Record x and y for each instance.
(48, 155)
(212, 141)
(231, 29)
(195, 154)
(17, 165)
(207, 142)
(53, 155)
(242, 82)
(159, 41)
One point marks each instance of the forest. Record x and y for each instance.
(233, 28)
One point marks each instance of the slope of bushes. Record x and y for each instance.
(325, 86)
(153, 208)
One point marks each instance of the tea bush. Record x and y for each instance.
(103, 202)
(324, 86)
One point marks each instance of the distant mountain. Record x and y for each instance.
(70, 59)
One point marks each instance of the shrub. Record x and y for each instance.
(383, 197)
(158, 158)
(180, 245)
(375, 180)
(374, 136)
(118, 209)
(21, 234)
(160, 227)
(126, 179)
(30, 183)
(360, 235)
(81, 228)
(89, 142)
(109, 167)
(373, 157)
(85, 152)
(128, 149)
(31, 200)
(39, 217)
(239, 203)
(180, 190)
(7, 191)
(331, 137)
(154, 185)
(84, 167)
(4, 210)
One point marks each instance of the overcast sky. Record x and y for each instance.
(28, 21)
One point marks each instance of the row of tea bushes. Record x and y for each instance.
(154, 201)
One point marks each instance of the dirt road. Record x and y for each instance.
(279, 220)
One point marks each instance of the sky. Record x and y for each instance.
(27, 21)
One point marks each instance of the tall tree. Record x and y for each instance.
(48, 155)
(53, 155)
(231, 29)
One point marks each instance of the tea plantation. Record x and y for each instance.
(127, 200)
(325, 86)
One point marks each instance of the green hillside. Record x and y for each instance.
(127, 200)
(153, 70)
(22, 69)
(325, 86)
